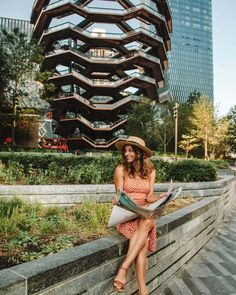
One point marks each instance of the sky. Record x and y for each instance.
(224, 45)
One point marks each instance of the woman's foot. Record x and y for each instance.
(120, 279)
(143, 291)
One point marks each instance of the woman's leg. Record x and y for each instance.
(141, 266)
(136, 243)
(138, 240)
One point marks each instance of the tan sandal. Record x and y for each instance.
(119, 286)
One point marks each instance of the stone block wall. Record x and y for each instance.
(90, 268)
(68, 195)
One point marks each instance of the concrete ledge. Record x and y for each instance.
(52, 269)
(90, 268)
(12, 283)
(68, 195)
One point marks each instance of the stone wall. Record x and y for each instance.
(67, 195)
(90, 268)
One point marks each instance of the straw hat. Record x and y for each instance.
(135, 141)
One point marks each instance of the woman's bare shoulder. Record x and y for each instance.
(119, 169)
(152, 174)
(153, 171)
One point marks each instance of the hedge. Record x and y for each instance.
(191, 170)
(46, 169)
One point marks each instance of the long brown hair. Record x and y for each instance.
(141, 166)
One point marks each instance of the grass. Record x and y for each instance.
(28, 232)
(178, 204)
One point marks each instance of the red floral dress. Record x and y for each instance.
(137, 189)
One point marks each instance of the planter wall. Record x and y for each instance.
(68, 195)
(90, 268)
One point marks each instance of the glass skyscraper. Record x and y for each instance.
(191, 55)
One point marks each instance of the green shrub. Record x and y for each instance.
(219, 164)
(162, 168)
(22, 239)
(46, 169)
(60, 243)
(90, 174)
(191, 170)
(51, 169)
(12, 173)
(108, 167)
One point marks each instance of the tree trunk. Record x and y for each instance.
(206, 148)
(13, 126)
(164, 148)
(14, 111)
(186, 154)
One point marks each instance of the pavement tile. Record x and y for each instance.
(213, 270)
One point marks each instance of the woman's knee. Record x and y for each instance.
(146, 223)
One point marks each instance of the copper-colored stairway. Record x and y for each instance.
(102, 59)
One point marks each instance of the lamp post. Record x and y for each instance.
(175, 108)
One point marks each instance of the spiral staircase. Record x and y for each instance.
(104, 55)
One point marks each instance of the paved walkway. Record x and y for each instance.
(213, 269)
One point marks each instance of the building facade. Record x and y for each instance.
(103, 58)
(191, 56)
(9, 24)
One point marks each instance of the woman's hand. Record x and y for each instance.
(162, 195)
(154, 198)
(115, 201)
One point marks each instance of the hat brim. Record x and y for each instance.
(121, 143)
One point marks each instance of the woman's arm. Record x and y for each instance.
(150, 197)
(118, 180)
(152, 178)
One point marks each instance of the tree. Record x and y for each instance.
(193, 97)
(218, 138)
(219, 146)
(231, 140)
(185, 113)
(188, 143)
(141, 121)
(20, 60)
(48, 89)
(202, 121)
(4, 74)
(164, 129)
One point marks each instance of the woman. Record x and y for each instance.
(136, 176)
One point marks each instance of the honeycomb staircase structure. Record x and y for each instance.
(103, 56)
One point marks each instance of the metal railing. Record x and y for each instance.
(119, 36)
(99, 143)
(65, 95)
(117, 11)
(104, 59)
(89, 123)
(106, 82)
